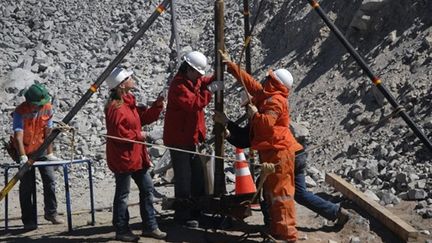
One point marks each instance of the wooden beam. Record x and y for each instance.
(391, 221)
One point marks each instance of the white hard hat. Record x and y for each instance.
(285, 77)
(197, 60)
(117, 76)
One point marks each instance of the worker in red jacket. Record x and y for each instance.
(184, 128)
(269, 120)
(124, 119)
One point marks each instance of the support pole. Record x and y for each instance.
(247, 34)
(375, 80)
(93, 88)
(175, 31)
(219, 176)
(248, 66)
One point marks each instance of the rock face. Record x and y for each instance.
(334, 108)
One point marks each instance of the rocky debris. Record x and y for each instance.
(67, 44)
(300, 131)
(355, 239)
(372, 195)
(363, 17)
(310, 182)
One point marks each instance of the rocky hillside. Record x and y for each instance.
(335, 108)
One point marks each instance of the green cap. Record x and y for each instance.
(37, 95)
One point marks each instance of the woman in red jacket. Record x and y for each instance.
(184, 128)
(128, 160)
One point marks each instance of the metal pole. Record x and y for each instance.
(375, 80)
(175, 31)
(247, 33)
(246, 45)
(248, 67)
(67, 195)
(219, 176)
(93, 88)
(6, 211)
(92, 207)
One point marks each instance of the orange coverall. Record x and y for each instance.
(272, 138)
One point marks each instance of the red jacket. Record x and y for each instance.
(125, 121)
(270, 126)
(34, 124)
(184, 117)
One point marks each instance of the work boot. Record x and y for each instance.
(342, 217)
(55, 219)
(127, 237)
(157, 234)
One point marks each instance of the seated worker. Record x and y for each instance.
(240, 137)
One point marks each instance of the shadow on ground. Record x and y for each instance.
(212, 229)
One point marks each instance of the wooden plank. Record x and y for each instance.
(391, 221)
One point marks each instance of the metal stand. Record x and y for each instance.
(65, 165)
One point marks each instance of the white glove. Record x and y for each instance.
(251, 110)
(23, 159)
(215, 86)
(51, 157)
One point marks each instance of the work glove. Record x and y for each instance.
(23, 159)
(220, 117)
(51, 157)
(215, 86)
(225, 56)
(227, 133)
(251, 110)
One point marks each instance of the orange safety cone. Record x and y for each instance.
(244, 183)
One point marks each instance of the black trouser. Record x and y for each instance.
(27, 189)
(189, 181)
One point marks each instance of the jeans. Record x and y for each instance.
(308, 199)
(312, 201)
(120, 209)
(303, 197)
(27, 189)
(189, 181)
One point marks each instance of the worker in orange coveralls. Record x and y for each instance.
(272, 138)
